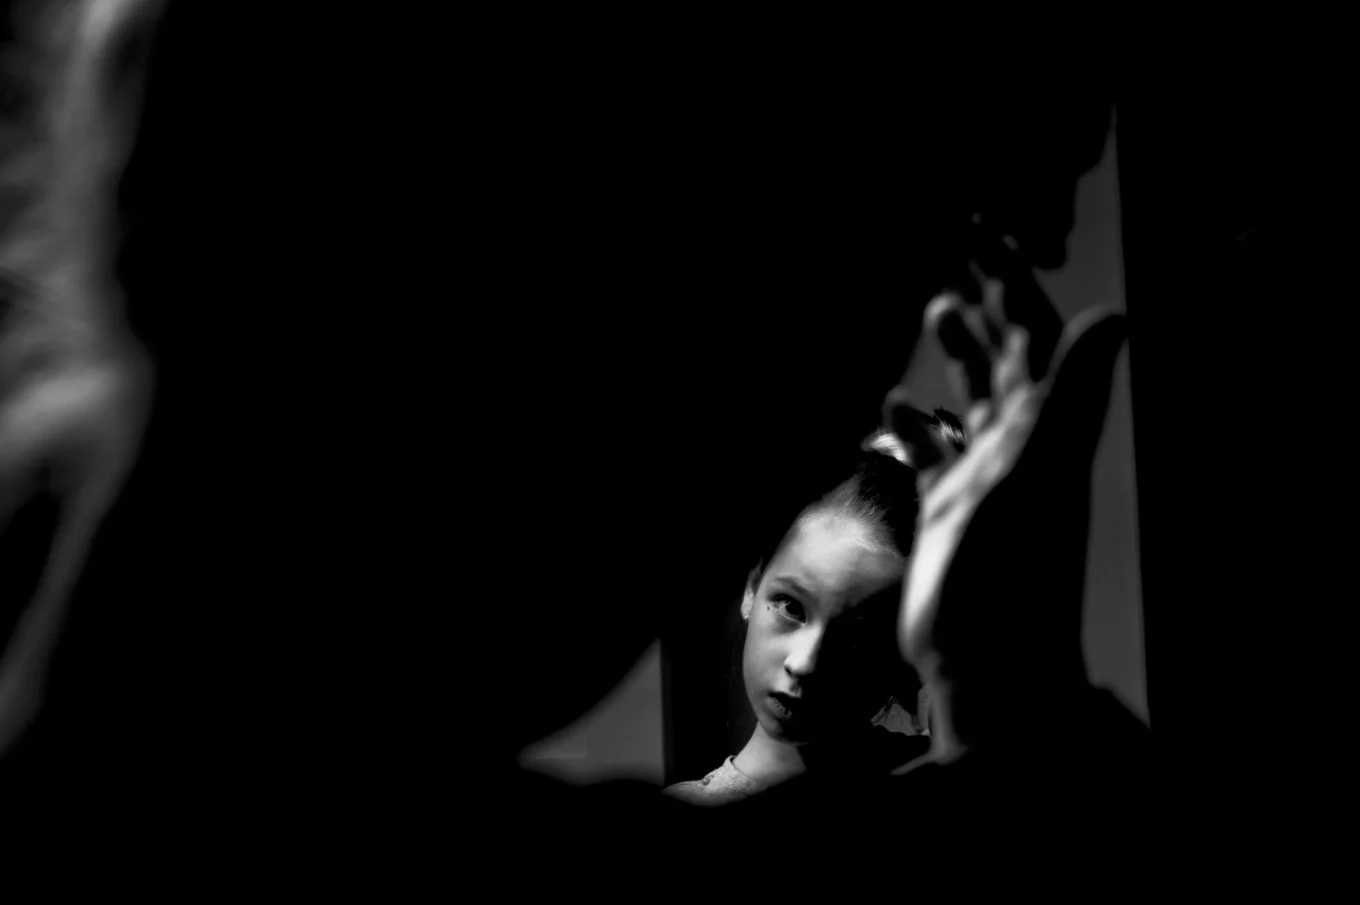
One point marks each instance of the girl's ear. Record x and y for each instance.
(749, 601)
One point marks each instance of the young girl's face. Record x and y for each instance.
(813, 661)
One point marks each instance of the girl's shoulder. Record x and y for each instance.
(721, 786)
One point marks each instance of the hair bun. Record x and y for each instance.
(949, 429)
(945, 426)
(889, 444)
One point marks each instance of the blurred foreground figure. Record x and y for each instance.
(75, 392)
(158, 528)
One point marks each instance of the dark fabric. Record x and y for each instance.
(1091, 806)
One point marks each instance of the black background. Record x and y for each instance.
(494, 358)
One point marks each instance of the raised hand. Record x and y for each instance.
(992, 605)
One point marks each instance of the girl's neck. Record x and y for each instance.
(766, 758)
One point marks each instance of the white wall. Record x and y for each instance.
(622, 736)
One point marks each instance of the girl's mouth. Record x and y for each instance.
(785, 706)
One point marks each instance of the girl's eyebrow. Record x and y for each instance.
(793, 585)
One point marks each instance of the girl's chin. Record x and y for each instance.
(784, 730)
(819, 736)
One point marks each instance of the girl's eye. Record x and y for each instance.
(789, 608)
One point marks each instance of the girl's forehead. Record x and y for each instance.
(836, 559)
